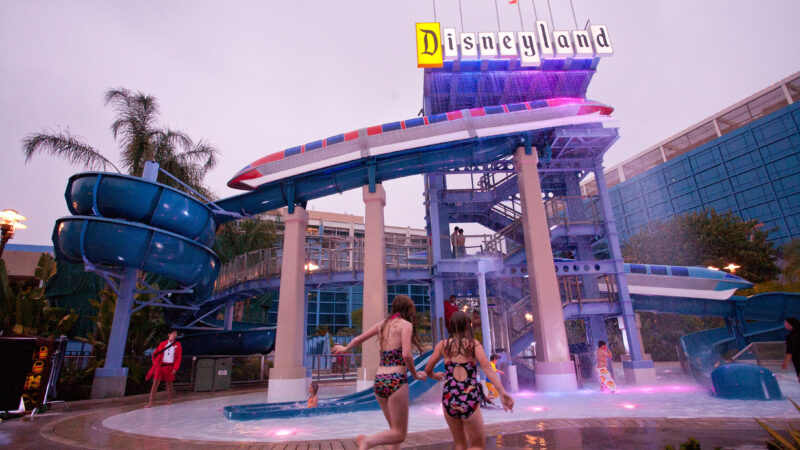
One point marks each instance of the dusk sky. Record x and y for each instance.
(255, 77)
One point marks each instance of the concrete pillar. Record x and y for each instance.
(287, 379)
(554, 369)
(229, 315)
(638, 369)
(110, 380)
(375, 302)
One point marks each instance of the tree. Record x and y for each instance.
(791, 254)
(247, 235)
(705, 239)
(141, 139)
(24, 310)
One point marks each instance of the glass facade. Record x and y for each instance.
(332, 306)
(753, 172)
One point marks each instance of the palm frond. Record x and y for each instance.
(64, 145)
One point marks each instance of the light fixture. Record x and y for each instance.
(712, 268)
(310, 267)
(732, 267)
(9, 222)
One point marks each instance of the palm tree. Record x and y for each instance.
(141, 139)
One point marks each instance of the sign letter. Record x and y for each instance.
(429, 48)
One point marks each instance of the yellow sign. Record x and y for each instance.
(429, 45)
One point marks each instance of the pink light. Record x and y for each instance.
(525, 394)
(628, 405)
(284, 432)
(537, 408)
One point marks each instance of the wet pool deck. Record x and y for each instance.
(84, 428)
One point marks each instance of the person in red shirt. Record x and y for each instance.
(166, 361)
(449, 308)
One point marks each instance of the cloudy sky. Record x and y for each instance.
(255, 77)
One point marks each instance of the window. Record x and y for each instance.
(638, 268)
(679, 271)
(658, 270)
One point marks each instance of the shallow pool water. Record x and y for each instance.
(673, 397)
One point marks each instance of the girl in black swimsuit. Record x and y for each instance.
(461, 393)
(396, 336)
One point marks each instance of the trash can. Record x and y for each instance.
(204, 375)
(222, 374)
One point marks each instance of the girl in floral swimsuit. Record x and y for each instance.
(397, 334)
(460, 395)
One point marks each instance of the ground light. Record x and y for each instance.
(9, 222)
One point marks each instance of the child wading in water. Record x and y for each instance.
(395, 335)
(313, 398)
(460, 395)
(493, 393)
(603, 374)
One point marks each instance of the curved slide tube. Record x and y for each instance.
(359, 401)
(236, 342)
(116, 196)
(116, 242)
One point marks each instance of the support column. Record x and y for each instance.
(287, 379)
(596, 331)
(576, 212)
(110, 380)
(229, 315)
(554, 369)
(375, 302)
(637, 368)
(436, 222)
(485, 319)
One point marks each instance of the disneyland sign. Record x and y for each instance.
(435, 45)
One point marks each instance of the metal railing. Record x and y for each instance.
(762, 353)
(341, 367)
(326, 254)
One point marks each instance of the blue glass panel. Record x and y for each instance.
(659, 210)
(292, 151)
(653, 180)
(760, 212)
(658, 270)
(636, 219)
(677, 170)
(773, 129)
(335, 139)
(679, 271)
(614, 194)
(705, 158)
(313, 145)
(754, 176)
(657, 196)
(790, 204)
(714, 191)
(391, 126)
(410, 123)
(753, 196)
(685, 202)
(710, 176)
(781, 148)
(785, 166)
(681, 187)
(723, 204)
(733, 145)
(629, 189)
(437, 118)
(743, 163)
(633, 205)
(787, 186)
(494, 110)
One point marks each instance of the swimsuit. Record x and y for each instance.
(461, 398)
(387, 383)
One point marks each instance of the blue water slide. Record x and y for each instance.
(117, 242)
(249, 341)
(117, 196)
(359, 401)
(705, 349)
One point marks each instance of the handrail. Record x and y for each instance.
(748, 349)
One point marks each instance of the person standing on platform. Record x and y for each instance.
(792, 345)
(603, 356)
(450, 307)
(166, 362)
(454, 243)
(462, 243)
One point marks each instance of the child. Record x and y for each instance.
(313, 398)
(460, 395)
(493, 394)
(603, 355)
(395, 336)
